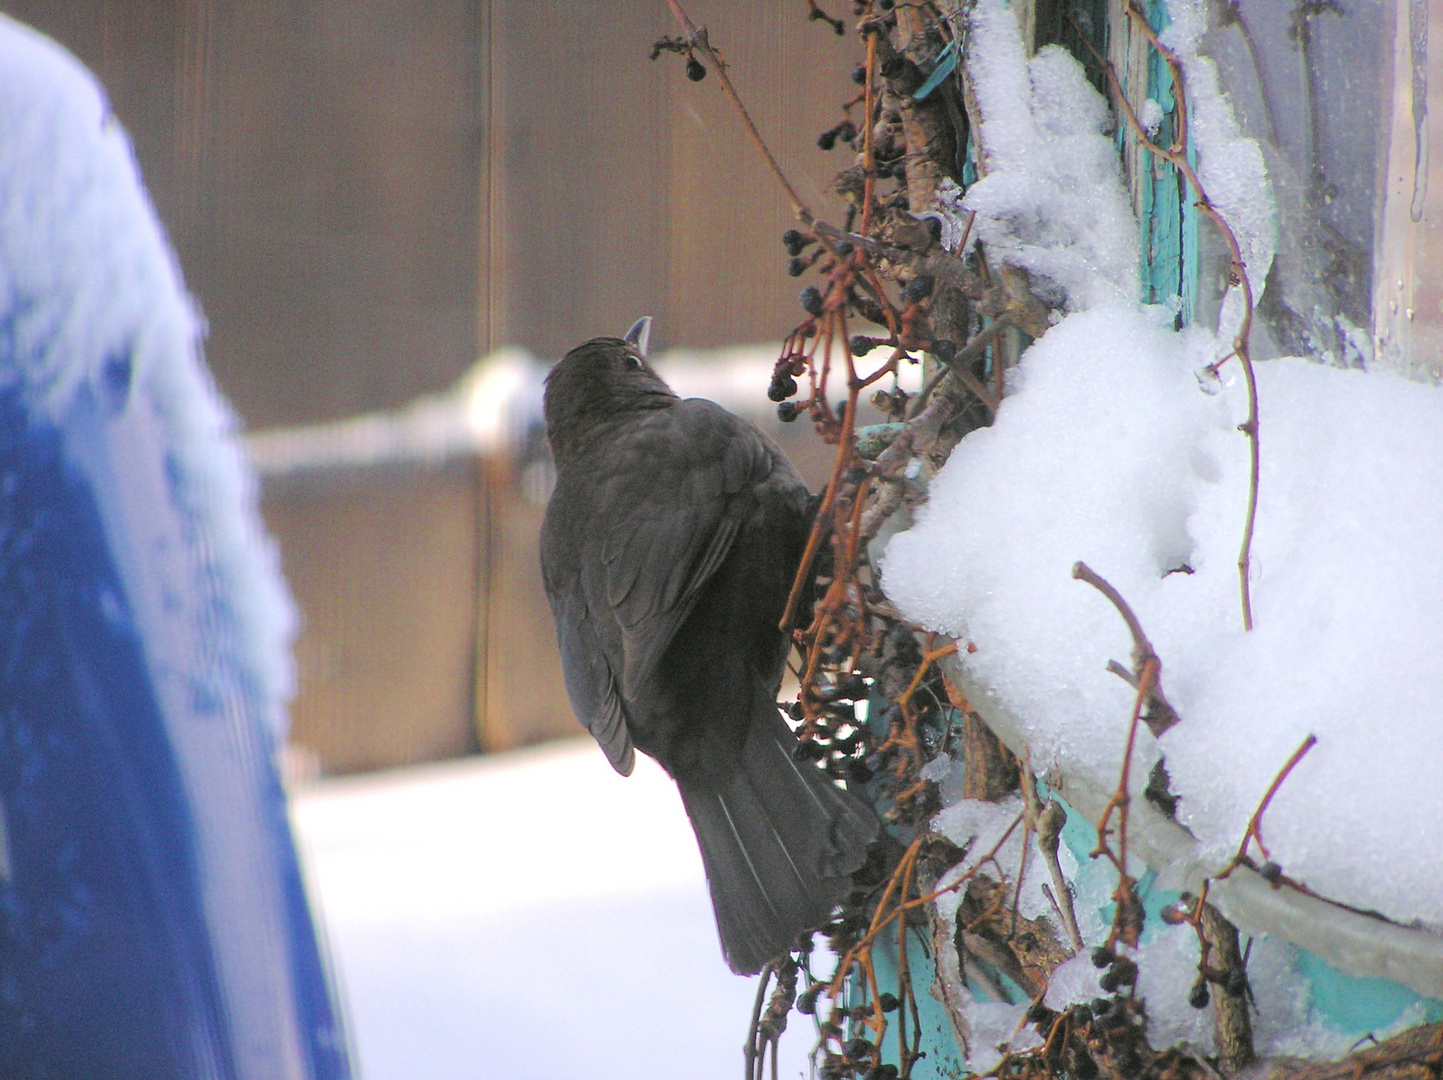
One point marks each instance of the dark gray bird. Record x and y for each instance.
(668, 551)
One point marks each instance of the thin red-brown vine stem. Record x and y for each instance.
(698, 39)
(868, 161)
(1176, 155)
(1255, 826)
(1237, 273)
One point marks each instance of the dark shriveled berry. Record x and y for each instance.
(783, 387)
(859, 75)
(807, 999)
(1102, 956)
(796, 267)
(919, 288)
(827, 139)
(1124, 970)
(888, 1002)
(788, 411)
(861, 345)
(1127, 1063)
(811, 300)
(694, 70)
(811, 750)
(794, 241)
(1197, 997)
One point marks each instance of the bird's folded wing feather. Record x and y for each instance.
(676, 531)
(589, 682)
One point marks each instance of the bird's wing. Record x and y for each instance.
(677, 528)
(589, 682)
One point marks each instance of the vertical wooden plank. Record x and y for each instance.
(381, 565)
(626, 189)
(728, 283)
(525, 695)
(580, 161)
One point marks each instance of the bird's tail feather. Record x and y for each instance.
(779, 843)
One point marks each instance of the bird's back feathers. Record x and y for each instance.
(668, 551)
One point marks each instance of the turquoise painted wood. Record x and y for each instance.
(1168, 223)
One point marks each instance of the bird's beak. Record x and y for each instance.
(640, 334)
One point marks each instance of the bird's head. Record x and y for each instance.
(598, 380)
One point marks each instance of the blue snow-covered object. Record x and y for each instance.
(153, 921)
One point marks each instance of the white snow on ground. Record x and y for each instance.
(530, 915)
(1050, 199)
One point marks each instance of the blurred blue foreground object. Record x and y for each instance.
(153, 922)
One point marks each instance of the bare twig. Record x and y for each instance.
(1233, 1028)
(1255, 823)
(1160, 715)
(755, 1044)
(1048, 819)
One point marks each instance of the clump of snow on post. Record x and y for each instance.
(1108, 452)
(1050, 199)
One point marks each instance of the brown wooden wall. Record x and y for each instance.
(366, 193)
(618, 188)
(387, 566)
(316, 165)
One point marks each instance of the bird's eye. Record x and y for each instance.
(633, 362)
